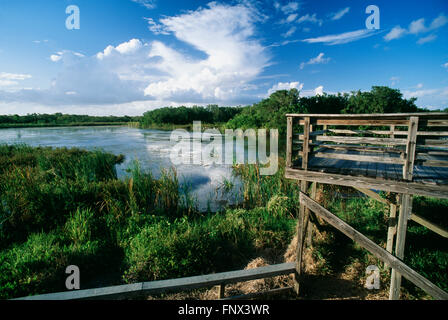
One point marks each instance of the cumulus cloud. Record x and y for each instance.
(224, 33)
(317, 60)
(396, 33)
(319, 91)
(418, 27)
(155, 27)
(285, 86)
(135, 71)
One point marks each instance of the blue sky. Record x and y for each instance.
(130, 56)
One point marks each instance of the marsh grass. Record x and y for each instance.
(66, 206)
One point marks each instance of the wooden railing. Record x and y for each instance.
(406, 139)
(374, 249)
(399, 147)
(172, 285)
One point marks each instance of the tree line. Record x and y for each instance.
(59, 118)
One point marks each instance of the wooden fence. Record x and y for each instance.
(172, 285)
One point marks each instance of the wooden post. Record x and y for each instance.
(221, 291)
(411, 143)
(405, 206)
(289, 142)
(392, 230)
(309, 225)
(302, 211)
(405, 209)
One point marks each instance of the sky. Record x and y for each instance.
(126, 57)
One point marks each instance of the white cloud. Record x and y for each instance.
(317, 60)
(394, 80)
(445, 65)
(438, 22)
(310, 18)
(155, 27)
(148, 4)
(134, 71)
(224, 34)
(125, 48)
(290, 32)
(285, 86)
(14, 76)
(395, 33)
(339, 14)
(288, 8)
(319, 91)
(56, 57)
(291, 17)
(420, 93)
(426, 39)
(342, 38)
(417, 26)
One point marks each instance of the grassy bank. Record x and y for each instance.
(60, 207)
(66, 206)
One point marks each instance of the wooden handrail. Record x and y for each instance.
(373, 248)
(160, 286)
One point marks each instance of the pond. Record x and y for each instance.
(152, 148)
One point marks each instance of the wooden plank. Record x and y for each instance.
(289, 142)
(360, 122)
(391, 133)
(404, 214)
(435, 142)
(427, 115)
(392, 227)
(361, 158)
(180, 284)
(378, 149)
(428, 224)
(373, 248)
(300, 231)
(221, 291)
(440, 191)
(379, 132)
(306, 138)
(358, 140)
(408, 167)
(373, 195)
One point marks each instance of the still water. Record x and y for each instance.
(150, 147)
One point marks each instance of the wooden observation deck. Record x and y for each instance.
(404, 153)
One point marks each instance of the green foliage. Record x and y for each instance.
(38, 265)
(36, 120)
(270, 113)
(213, 243)
(184, 115)
(257, 190)
(379, 100)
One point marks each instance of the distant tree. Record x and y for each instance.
(379, 100)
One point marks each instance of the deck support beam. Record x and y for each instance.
(405, 213)
(303, 210)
